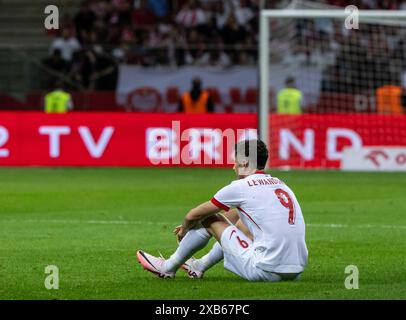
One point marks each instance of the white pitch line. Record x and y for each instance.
(97, 221)
(361, 226)
(162, 223)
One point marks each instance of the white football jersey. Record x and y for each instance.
(270, 210)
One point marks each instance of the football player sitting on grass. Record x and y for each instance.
(260, 238)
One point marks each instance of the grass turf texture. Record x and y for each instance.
(89, 222)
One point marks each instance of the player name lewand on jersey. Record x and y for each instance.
(264, 181)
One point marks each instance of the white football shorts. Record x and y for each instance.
(239, 258)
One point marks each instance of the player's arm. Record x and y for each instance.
(224, 199)
(194, 216)
(199, 213)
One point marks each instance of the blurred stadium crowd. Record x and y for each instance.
(154, 33)
(105, 33)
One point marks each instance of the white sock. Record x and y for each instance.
(215, 255)
(193, 241)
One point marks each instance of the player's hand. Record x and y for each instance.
(180, 232)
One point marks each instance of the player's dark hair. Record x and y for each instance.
(259, 148)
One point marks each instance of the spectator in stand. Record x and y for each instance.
(161, 43)
(243, 13)
(55, 63)
(119, 53)
(102, 9)
(196, 53)
(197, 100)
(179, 44)
(209, 30)
(191, 15)
(105, 71)
(67, 44)
(81, 69)
(218, 58)
(138, 52)
(160, 7)
(84, 20)
(232, 33)
(222, 33)
(221, 12)
(143, 15)
(122, 15)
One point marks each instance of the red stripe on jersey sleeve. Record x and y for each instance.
(219, 204)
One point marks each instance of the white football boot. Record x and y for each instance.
(154, 265)
(191, 270)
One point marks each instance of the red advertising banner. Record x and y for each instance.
(318, 140)
(131, 139)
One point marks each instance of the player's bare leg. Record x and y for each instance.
(233, 218)
(240, 225)
(216, 225)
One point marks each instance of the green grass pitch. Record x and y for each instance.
(90, 222)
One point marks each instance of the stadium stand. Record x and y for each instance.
(97, 36)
